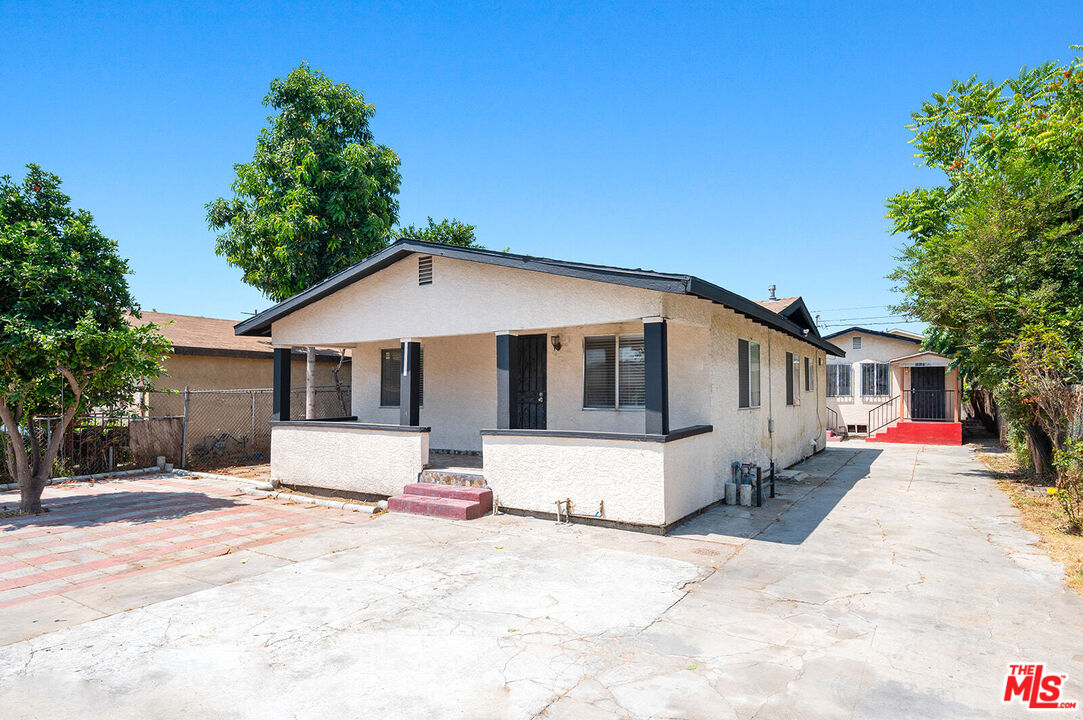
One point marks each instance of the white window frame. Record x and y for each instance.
(616, 374)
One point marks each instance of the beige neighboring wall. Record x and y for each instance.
(854, 409)
(216, 372)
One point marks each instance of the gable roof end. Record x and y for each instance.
(878, 333)
(260, 325)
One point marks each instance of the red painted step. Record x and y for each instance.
(454, 502)
(481, 495)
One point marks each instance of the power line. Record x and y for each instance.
(859, 307)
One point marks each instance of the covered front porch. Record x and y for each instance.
(578, 413)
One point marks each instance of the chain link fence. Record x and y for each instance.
(231, 427)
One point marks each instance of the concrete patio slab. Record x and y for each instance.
(888, 583)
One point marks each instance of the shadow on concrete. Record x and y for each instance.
(128, 507)
(796, 511)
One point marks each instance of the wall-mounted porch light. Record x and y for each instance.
(555, 339)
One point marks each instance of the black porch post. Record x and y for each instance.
(504, 392)
(410, 384)
(280, 396)
(656, 369)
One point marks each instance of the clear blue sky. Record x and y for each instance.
(744, 143)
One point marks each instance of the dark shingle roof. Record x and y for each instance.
(260, 325)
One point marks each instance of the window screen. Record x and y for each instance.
(857, 342)
(600, 372)
(790, 387)
(875, 379)
(838, 380)
(748, 374)
(810, 376)
(391, 377)
(631, 377)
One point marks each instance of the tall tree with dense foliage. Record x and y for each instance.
(994, 261)
(319, 195)
(448, 232)
(66, 345)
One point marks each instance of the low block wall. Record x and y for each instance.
(630, 474)
(363, 458)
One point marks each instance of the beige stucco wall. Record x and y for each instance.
(353, 459)
(532, 473)
(689, 475)
(464, 298)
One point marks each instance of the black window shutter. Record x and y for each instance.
(742, 373)
(789, 378)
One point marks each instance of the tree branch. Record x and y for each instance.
(21, 469)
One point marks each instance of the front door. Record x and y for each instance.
(927, 397)
(529, 410)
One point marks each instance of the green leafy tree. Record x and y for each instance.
(66, 344)
(319, 195)
(995, 258)
(448, 232)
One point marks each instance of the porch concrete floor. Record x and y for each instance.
(895, 581)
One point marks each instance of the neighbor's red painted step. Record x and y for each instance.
(922, 433)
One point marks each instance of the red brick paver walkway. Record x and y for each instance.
(97, 532)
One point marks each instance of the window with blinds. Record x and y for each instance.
(748, 374)
(875, 379)
(838, 380)
(614, 372)
(391, 377)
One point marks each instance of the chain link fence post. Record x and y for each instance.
(184, 429)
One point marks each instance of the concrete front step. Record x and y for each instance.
(465, 477)
(440, 507)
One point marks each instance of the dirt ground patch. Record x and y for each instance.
(1042, 514)
(249, 472)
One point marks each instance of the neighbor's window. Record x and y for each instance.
(810, 375)
(838, 380)
(857, 342)
(391, 377)
(748, 373)
(614, 372)
(875, 379)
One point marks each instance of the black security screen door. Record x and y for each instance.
(927, 397)
(529, 410)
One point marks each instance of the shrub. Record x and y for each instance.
(1069, 488)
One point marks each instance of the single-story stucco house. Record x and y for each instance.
(628, 392)
(891, 390)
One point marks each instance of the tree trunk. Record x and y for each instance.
(30, 489)
(1041, 450)
(310, 384)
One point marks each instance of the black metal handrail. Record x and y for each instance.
(833, 421)
(883, 414)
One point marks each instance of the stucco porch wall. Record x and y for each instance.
(460, 384)
(639, 481)
(348, 456)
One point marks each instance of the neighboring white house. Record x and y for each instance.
(887, 385)
(628, 392)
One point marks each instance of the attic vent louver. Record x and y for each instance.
(424, 270)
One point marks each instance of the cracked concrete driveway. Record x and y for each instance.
(895, 581)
